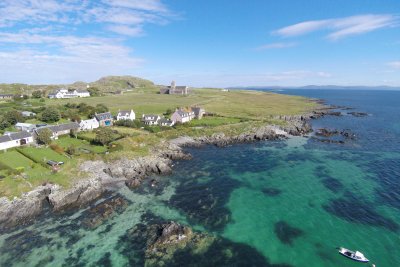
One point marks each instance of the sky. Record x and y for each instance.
(207, 43)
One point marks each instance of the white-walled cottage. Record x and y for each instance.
(87, 125)
(182, 116)
(15, 139)
(150, 119)
(126, 115)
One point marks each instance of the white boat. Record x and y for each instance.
(357, 255)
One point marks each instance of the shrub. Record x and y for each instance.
(37, 94)
(71, 150)
(57, 148)
(51, 114)
(115, 147)
(44, 136)
(104, 136)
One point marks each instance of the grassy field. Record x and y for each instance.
(252, 105)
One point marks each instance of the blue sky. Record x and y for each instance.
(202, 43)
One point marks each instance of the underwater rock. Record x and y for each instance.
(326, 133)
(172, 244)
(353, 209)
(101, 212)
(271, 192)
(287, 233)
(358, 114)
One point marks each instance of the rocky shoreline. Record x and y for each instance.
(102, 176)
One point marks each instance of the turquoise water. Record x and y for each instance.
(281, 203)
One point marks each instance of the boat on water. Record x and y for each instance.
(354, 255)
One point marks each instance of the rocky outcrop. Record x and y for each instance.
(81, 193)
(22, 210)
(103, 211)
(358, 114)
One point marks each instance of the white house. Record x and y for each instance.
(25, 126)
(27, 114)
(182, 116)
(150, 119)
(15, 139)
(65, 93)
(126, 115)
(82, 93)
(89, 124)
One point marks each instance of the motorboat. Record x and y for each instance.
(354, 255)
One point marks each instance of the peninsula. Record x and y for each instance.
(78, 164)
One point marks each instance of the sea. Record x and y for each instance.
(275, 203)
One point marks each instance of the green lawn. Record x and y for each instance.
(43, 154)
(33, 174)
(14, 159)
(67, 141)
(213, 121)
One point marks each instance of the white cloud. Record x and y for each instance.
(55, 41)
(59, 59)
(126, 30)
(113, 13)
(276, 46)
(394, 64)
(341, 27)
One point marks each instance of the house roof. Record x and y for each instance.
(5, 138)
(103, 116)
(183, 113)
(27, 112)
(22, 124)
(82, 91)
(164, 120)
(197, 110)
(61, 127)
(64, 127)
(20, 135)
(14, 136)
(150, 117)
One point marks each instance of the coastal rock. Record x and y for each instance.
(22, 210)
(326, 133)
(358, 114)
(101, 212)
(80, 194)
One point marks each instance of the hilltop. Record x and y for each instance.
(104, 84)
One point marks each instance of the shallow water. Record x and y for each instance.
(284, 203)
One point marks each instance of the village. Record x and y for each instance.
(29, 133)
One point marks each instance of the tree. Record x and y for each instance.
(13, 116)
(73, 133)
(94, 91)
(37, 94)
(4, 123)
(101, 108)
(44, 136)
(104, 136)
(51, 114)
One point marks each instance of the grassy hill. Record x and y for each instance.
(105, 84)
